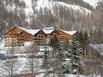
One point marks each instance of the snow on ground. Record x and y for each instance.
(98, 47)
(22, 66)
(43, 4)
(28, 10)
(66, 75)
(75, 7)
(43, 48)
(2, 43)
(11, 8)
(2, 48)
(92, 2)
(49, 4)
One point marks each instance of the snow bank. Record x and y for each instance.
(51, 75)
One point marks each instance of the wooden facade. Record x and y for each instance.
(39, 37)
(17, 36)
(62, 36)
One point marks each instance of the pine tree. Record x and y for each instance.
(46, 64)
(75, 56)
(54, 42)
(57, 56)
(83, 39)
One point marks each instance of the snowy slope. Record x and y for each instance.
(75, 7)
(44, 3)
(92, 2)
(28, 10)
(31, 6)
(49, 4)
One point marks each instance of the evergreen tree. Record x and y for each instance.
(46, 64)
(57, 56)
(83, 38)
(75, 56)
(54, 42)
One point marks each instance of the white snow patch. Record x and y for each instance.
(48, 30)
(92, 2)
(43, 48)
(98, 47)
(44, 4)
(49, 4)
(28, 43)
(2, 43)
(22, 66)
(75, 7)
(11, 8)
(33, 31)
(2, 47)
(69, 32)
(30, 30)
(51, 75)
(28, 10)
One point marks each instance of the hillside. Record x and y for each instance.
(68, 14)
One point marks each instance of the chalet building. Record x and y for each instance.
(19, 36)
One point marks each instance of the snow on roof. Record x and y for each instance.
(30, 30)
(48, 30)
(33, 31)
(69, 32)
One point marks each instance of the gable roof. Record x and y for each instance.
(48, 30)
(69, 32)
(11, 29)
(30, 31)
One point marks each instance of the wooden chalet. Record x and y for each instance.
(61, 34)
(18, 36)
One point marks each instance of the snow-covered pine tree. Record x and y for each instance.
(75, 55)
(57, 57)
(46, 64)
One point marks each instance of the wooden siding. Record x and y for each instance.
(10, 42)
(39, 37)
(24, 36)
(13, 31)
(16, 37)
(61, 35)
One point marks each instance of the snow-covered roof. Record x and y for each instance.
(48, 30)
(69, 32)
(30, 30)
